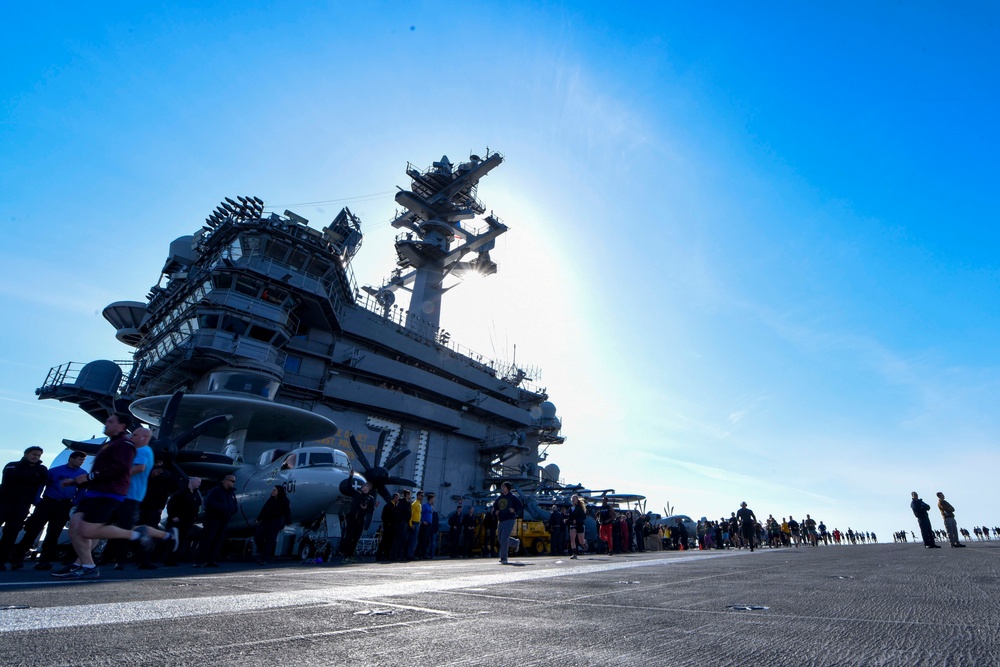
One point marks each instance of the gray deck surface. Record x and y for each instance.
(862, 605)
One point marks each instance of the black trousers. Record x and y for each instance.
(12, 517)
(51, 513)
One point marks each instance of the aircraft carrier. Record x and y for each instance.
(263, 304)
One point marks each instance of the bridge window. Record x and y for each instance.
(321, 459)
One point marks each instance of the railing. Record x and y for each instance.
(69, 372)
(426, 333)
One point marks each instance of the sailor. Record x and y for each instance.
(361, 502)
(416, 508)
(220, 506)
(507, 509)
(21, 487)
(53, 511)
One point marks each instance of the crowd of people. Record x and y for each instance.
(121, 501)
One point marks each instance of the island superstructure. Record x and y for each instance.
(262, 304)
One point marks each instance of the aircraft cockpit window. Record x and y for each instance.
(289, 462)
(324, 459)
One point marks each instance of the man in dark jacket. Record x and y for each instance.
(920, 509)
(402, 526)
(220, 506)
(53, 511)
(557, 531)
(389, 522)
(21, 487)
(455, 531)
(361, 502)
(182, 512)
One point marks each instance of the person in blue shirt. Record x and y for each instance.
(52, 511)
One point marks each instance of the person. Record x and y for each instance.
(361, 503)
(20, 488)
(416, 508)
(274, 515)
(920, 509)
(577, 526)
(159, 487)
(605, 532)
(428, 528)
(489, 535)
(469, 531)
(948, 514)
(51, 513)
(507, 509)
(402, 538)
(455, 531)
(105, 489)
(220, 506)
(680, 534)
(182, 511)
(127, 512)
(747, 521)
(557, 542)
(386, 544)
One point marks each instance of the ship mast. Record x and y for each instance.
(435, 242)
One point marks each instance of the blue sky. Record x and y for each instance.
(753, 250)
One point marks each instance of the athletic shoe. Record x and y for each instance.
(81, 573)
(145, 541)
(43, 566)
(119, 566)
(65, 571)
(174, 537)
(17, 565)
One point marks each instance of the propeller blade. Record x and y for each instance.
(382, 491)
(396, 459)
(400, 481)
(169, 416)
(382, 436)
(85, 447)
(183, 476)
(360, 454)
(200, 429)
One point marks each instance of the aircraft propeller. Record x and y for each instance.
(166, 446)
(379, 476)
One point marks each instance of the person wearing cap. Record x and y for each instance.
(53, 511)
(948, 514)
(20, 487)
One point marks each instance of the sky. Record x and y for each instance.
(753, 249)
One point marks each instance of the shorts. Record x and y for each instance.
(578, 527)
(98, 510)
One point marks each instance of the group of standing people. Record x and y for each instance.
(921, 511)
